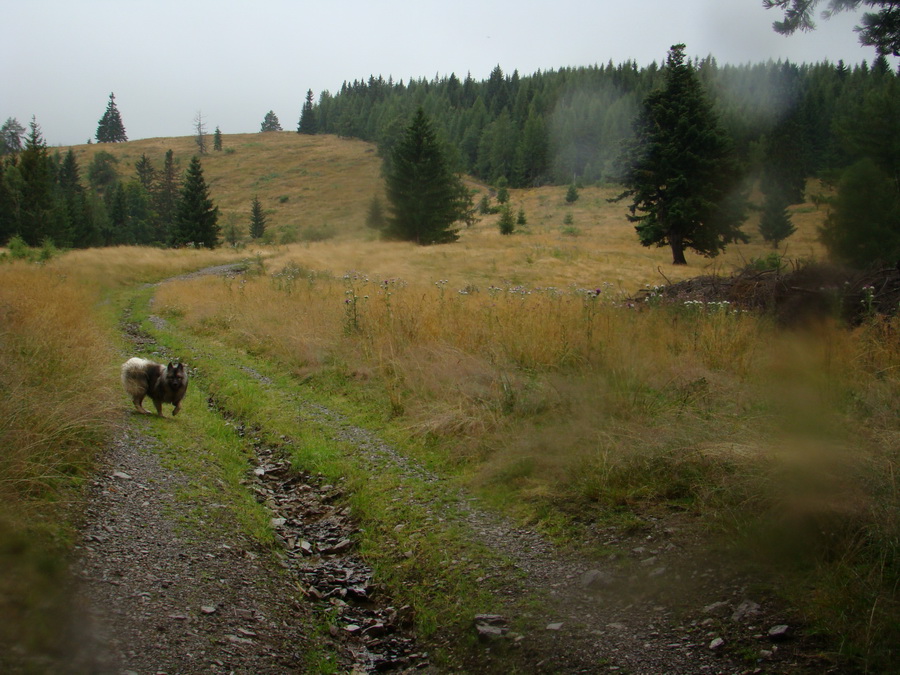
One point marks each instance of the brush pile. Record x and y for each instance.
(804, 292)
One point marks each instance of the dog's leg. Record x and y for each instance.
(158, 405)
(138, 403)
(177, 408)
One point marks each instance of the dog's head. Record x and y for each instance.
(176, 374)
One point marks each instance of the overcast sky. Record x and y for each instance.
(234, 61)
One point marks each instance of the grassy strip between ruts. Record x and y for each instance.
(424, 559)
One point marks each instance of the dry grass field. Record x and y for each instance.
(327, 182)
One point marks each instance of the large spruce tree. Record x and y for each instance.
(425, 196)
(39, 217)
(308, 124)
(110, 128)
(680, 170)
(198, 218)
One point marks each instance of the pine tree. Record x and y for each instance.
(571, 194)
(270, 122)
(11, 134)
(38, 213)
(521, 219)
(165, 196)
(308, 123)
(681, 172)
(84, 232)
(775, 223)
(507, 222)
(257, 219)
(110, 128)
(424, 195)
(197, 221)
(217, 140)
(146, 174)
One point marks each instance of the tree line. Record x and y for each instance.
(557, 126)
(45, 198)
(781, 122)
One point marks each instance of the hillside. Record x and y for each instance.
(325, 183)
(300, 180)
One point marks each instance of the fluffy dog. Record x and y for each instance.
(163, 384)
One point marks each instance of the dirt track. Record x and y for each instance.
(163, 593)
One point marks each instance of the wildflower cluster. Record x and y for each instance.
(710, 307)
(352, 296)
(868, 300)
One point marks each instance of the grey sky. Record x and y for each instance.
(234, 61)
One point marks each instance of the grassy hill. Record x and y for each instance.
(312, 186)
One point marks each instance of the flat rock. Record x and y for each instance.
(717, 609)
(595, 579)
(745, 610)
(780, 632)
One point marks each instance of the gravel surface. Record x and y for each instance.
(160, 596)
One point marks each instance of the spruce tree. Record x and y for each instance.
(146, 174)
(11, 134)
(425, 197)
(83, 231)
(308, 124)
(257, 219)
(507, 222)
(775, 223)
(38, 214)
(270, 122)
(110, 128)
(217, 140)
(680, 170)
(198, 219)
(166, 193)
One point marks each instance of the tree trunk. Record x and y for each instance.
(676, 242)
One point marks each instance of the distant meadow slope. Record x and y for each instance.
(320, 187)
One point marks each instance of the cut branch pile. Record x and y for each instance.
(803, 293)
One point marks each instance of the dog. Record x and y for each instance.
(163, 384)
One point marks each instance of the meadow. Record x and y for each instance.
(526, 367)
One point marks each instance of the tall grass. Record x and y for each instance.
(59, 403)
(56, 407)
(561, 400)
